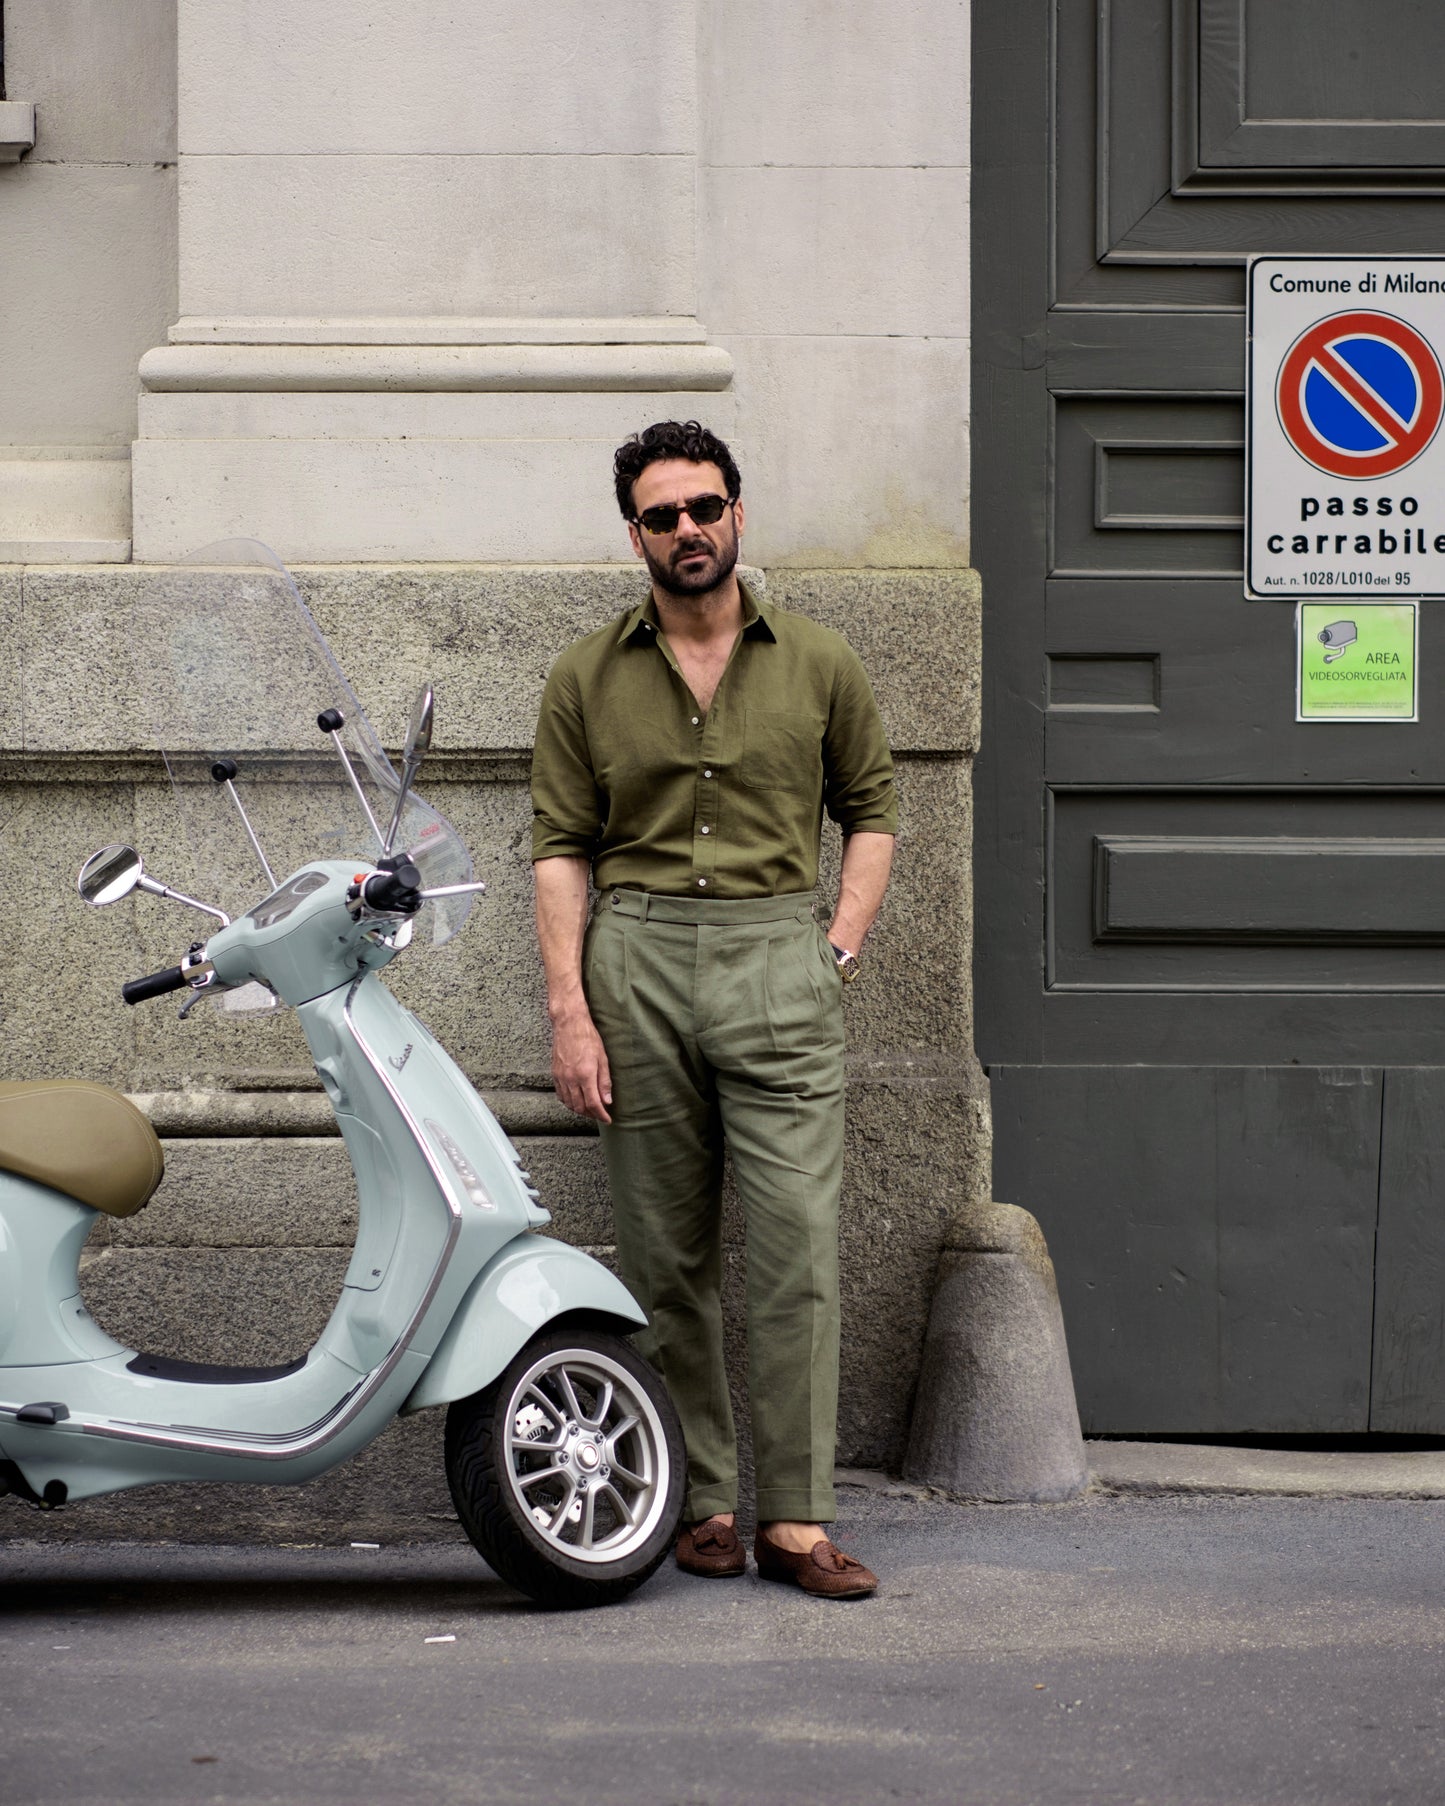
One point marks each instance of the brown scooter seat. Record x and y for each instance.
(82, 1139)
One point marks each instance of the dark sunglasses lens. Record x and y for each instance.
(703, 510)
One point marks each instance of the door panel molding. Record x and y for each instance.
(1231, 891)
(1220, 148)
(1255, 890)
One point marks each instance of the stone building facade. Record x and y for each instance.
(382, 286)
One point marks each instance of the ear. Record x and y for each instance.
(636, 537)
(738, 516)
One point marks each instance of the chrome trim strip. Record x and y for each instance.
(288, 1445)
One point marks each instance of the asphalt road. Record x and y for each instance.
(1118, 1650)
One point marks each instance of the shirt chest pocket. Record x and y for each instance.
(781, 751)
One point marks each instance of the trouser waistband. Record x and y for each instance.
(646, 906)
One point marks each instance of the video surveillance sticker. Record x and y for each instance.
(1357, 661)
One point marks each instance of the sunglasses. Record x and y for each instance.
(702, 510)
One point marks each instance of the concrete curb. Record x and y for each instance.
(1177, 1467)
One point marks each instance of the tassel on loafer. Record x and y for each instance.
(711, 1549)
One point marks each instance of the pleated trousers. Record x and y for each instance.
(722, 1022)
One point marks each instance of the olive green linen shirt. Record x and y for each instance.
(630, 773)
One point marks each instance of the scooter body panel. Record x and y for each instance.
(532, 1281)
(442, 1201)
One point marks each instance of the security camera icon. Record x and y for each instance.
(1339, 636)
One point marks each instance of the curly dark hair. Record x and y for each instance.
(688, 439)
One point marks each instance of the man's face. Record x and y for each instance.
(691, 560)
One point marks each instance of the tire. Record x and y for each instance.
(567, 1471)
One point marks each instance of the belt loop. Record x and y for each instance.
(645, 899)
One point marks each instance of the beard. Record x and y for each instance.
(714, 566)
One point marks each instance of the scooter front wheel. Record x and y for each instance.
(567, 1472)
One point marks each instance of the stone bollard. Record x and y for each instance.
(995, 1416)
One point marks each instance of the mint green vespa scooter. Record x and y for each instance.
(562, 1447)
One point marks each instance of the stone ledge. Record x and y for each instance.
(183, 1115)
(435, 369)
(436, 329)
(17, 129)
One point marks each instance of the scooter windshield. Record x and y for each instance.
(236, 672)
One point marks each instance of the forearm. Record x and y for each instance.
(561, 886)
(867, 861)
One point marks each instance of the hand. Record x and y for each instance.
(581, 1076)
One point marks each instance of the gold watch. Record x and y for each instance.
(848, 967)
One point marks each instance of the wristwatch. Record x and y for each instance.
(848, 967)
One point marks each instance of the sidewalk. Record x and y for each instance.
(1205, 1468)
(1163, 1467)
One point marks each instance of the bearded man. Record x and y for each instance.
(685, 754)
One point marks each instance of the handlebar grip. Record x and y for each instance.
(155, 984)
(396, 890)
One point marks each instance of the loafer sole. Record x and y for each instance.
(784, 1577)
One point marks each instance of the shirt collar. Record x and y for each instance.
(643, 625)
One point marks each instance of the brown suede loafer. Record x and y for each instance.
(711, 1549)
(824, 1570)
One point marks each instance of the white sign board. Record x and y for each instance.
(1346, 460)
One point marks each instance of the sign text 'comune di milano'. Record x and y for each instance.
(1346, 489)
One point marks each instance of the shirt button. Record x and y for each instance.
(694, 721)
(707, 830)
(707, 774)
(702, 884)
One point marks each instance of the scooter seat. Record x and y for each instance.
(82, 1139)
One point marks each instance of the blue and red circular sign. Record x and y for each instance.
(1360, 394)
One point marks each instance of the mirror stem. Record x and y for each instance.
(408, 778)
(146, 883)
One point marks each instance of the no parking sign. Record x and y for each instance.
(1346, 459)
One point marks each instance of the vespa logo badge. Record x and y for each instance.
(393, 1060)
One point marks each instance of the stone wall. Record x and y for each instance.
(88, 222)
(383, 285)
(240, 1255)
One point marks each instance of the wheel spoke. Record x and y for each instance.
(533, 1445)
(615, 1436)
(541, 1473)
(589, 1516)
(549, 1405)
(626, 1475)
(564, 1382)
(603, 1405)
(559, 1518)
(628, 1515)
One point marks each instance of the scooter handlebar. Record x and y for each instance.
(392, 892)
(155, 984)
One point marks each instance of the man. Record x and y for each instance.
(684, 756)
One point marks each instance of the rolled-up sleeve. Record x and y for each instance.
(858, 789)
(567, 806)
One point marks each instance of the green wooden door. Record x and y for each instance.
(1211, 941)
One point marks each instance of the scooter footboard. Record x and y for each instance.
(531, 1281)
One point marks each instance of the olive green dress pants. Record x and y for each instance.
(722, 1021)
